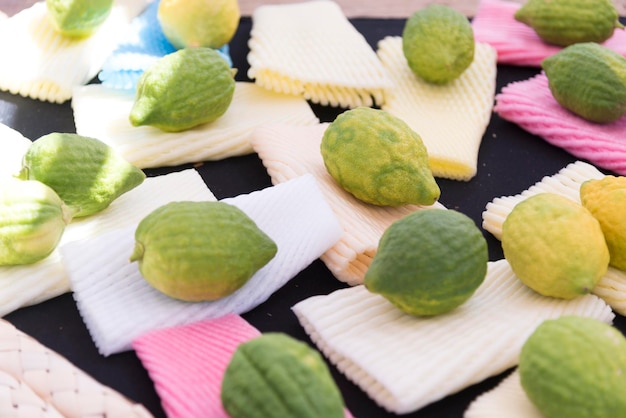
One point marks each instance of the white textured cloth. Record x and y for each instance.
(102, 112)
(38, 382)
(567, 182)
(40, 63)
(452, 118)
(405, 362)
(34, 283)
(118, 305)
(288, 152)
(311, 49)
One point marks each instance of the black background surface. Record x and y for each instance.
(510, 160)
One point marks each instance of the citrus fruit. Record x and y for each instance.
(199, 251)
(555, 246)
(575, 367)
(32, 220)
(194, 23)
(438, 43)
(378, 158)
(78, 18)
(566, 22)
(429, 262)
(87, 174)
(606, 200)
(275, 375)
(184, 89)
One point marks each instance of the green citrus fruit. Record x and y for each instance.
(194, 23)
(555, 246)
(606, 200)
(378, 158)
(32, 220)
(429, 262)
(78, 18)
(438, 43)
(184, 89)
(575, 367)
(198, 251)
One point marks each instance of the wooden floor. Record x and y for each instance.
(351, 8)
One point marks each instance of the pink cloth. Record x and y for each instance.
(517, 43)
(186, 363)
(530, 105)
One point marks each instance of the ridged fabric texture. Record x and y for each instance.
(35, 381)
(44, 65)
(405, 362)
(118, 305)
(288, 152)
(451, 119)
(516, 43)
(311, 49)
(567, 182)
(102, 112)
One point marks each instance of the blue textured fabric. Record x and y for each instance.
(144, 45)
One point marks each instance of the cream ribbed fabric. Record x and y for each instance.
(289, 152)
(41, 64)
(452, 118)
(118, 305)
(102, 112)
(42, 383)
(405, 363)
(311, 49)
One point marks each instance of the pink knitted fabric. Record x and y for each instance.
(517, 43)
(530, 105)
(186, 363)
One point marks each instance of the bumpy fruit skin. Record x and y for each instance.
(184, 89)
(605, 198)
(589, 80)
(575, 367)
(32, 221)
(275, 375)
(85, 172)
(200, 251)
(195, 23)
(438, 43)
(429, 262)
(555, 246)
(378, 158)
(78, 18)
(566, 22)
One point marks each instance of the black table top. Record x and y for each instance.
(510, 160)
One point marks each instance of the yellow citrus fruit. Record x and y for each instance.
(429, 262)
(575, 367)
(606, 200)
(194, 23)
(78, 18)
(378, 158)
(438, 43)
(555, 246)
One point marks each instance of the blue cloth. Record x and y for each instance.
(144, 45)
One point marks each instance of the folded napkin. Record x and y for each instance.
(311, 49)
(405, 363)
(102, 112)
(531, 105)
(35, 283)
(41, 64)
(451, 119)
(38, 382)
(141, 48)
(567, 182)
(118, 305)
(288, 152)
(517, 43)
